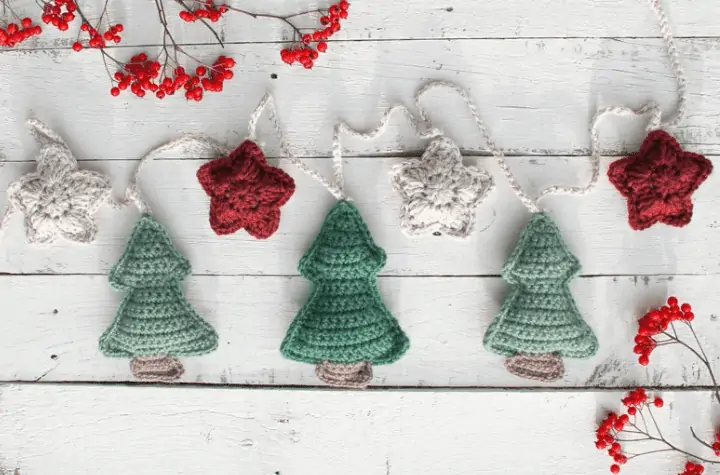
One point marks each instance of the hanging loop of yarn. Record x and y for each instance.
(192, 145)
(267, 103)
(651, 108)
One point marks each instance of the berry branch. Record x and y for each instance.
(656, 328)
(166, 74)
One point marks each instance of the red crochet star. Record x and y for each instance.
(245, 192)
(658, 181)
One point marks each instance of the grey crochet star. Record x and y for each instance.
(58, 199)
(439, 193)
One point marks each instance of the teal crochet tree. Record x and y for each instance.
(344, 328)
(155, 323)
(539, 323)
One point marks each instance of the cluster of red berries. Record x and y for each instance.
(142, 75)
(655, 322)
(98, 40)
(54, 15)
(716, 444)
(13, 34)
(210, 12)
(693, 469)
(613, 424)
(304, 54)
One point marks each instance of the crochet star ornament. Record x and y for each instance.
(245, 192)
(658, 181)
(58, 199)
(439, 193)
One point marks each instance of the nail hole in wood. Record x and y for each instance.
(55, 311)
(437, 233)
(53, 357)
(273, 76)
(449, 9)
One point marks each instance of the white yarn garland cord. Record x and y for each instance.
(651, 108)
(194, 145)
(336, 188)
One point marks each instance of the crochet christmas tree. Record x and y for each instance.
(155, 323)
(344, 328)
(539, 323)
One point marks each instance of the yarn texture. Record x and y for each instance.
(154, 318)
(658, 181)
(58, 200)
(345, 321)
(439, 193)
(245, 192)
(539, 316)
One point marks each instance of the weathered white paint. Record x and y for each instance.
(537, 70)
(56, 338)
(536, 95)
(370, 20)
(167, 431)
(595, 227)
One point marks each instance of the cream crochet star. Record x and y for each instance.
(58, 199)
(439, 193)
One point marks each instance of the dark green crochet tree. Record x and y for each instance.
(344, 328)
(539, 323)
(155, 323)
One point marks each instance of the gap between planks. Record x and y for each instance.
(379, 388)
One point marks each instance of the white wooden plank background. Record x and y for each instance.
(159, 431)
(537, 69)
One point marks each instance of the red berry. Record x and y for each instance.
(615, 468)
(600, 444)
(322, 46)
(12, 28)
(119, 28)
(108, 35)
(26, 22)
(658, 402)
(62, 26)
(632, 411)
(115, 91)
(343, 4)
(228, 74)
(201, 71)
(229, 62)
(77, 46)
(160, 94)
(324, 20)
(343, 14)
(672, 301)
(644, 360)
(140, 93)
(334, 10)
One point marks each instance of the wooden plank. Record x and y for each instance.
(96, 429)
(595, 227)
(373, 19)
(536, 95)
(51, 329)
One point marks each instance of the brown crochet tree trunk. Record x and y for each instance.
(350, 376)
(161, 368)
(547, 367)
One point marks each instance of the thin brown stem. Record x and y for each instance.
(702, 357)
(212, 30)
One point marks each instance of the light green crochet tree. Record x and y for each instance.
(539, 323)
(155, 323)
(344, 328)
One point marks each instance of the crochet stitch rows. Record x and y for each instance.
(539, 316)
(658, 181)
(439, 193)
(345, 320)
(245, 192)
(154, 318)
(58, 199)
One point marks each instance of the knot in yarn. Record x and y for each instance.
(439, 193)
